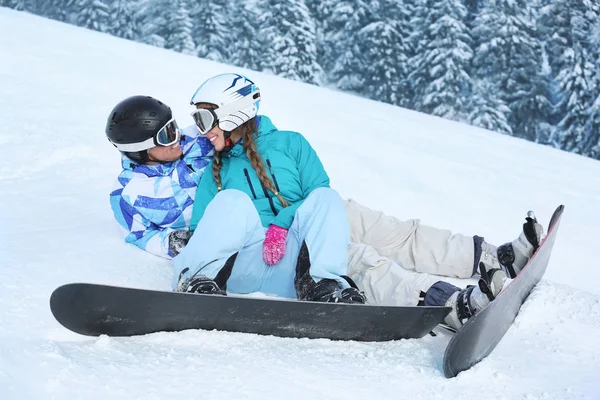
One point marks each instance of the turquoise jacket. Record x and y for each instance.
(291, 163)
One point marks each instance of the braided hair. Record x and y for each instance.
(248, 129)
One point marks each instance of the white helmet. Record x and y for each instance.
(237, 99)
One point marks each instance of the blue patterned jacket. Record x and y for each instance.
(151, 201)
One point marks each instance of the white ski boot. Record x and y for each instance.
(513, 256)
(469, 301)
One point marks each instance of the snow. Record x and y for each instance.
(59, 82)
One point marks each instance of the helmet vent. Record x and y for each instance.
(135, 120)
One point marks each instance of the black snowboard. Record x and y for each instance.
(480, 335)
(115, 311)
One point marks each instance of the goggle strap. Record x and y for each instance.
(148, 143)
(132, 147)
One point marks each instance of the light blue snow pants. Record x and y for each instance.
(231, 225)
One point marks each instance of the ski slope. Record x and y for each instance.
(57, 85)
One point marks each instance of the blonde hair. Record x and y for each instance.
(248, 129)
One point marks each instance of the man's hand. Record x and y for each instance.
(178, 240)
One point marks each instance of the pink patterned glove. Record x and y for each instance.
(274, 245)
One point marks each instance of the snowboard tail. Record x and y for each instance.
(479, 336)
(95, 310)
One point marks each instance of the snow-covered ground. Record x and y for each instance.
(57, 86)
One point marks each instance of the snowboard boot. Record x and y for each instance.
(352, 296)
(201, 284)
(328, 291)
(512, 257)
(467, 302)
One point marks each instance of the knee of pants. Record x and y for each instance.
(230, 206)
(323, 198)
(233, 199)
(325, 194)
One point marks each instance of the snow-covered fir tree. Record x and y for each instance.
(419, 20)
(246, 50)
(91, 14)
(591, 142)
(345, 73)
(384, 54)
(58, 10)
(385, 70)
(473, 7)
(320, 10)
(124, 20)
(572, 55)
(553, 26)
(18, 5)
(331, 17)
(152, 21)
(531, 108)
(575, 85)
(211, 28)
(440, 68)
(590, 145)
(489, 111)
(509, 54)
(562, 25)
(288, 34)
(178, 28)
(341, 48)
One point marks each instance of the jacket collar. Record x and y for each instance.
(265, 128)
(149, 170)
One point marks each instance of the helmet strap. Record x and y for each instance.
(228, 142)
(143, 157)
(138, 156)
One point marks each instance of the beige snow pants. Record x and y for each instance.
(392, 261)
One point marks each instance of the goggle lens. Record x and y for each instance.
(205, 120)
(168, 134)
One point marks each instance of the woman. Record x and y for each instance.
(267, 205)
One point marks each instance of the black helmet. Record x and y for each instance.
(134, 122)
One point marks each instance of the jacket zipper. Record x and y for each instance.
(270, 199)
(273, 175)
(249, 182)
(271, 203)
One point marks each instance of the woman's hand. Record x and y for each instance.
(274, 244)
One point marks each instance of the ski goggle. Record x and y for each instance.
(168, 135)
(205, 119)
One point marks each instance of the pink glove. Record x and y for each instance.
(274, 245)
